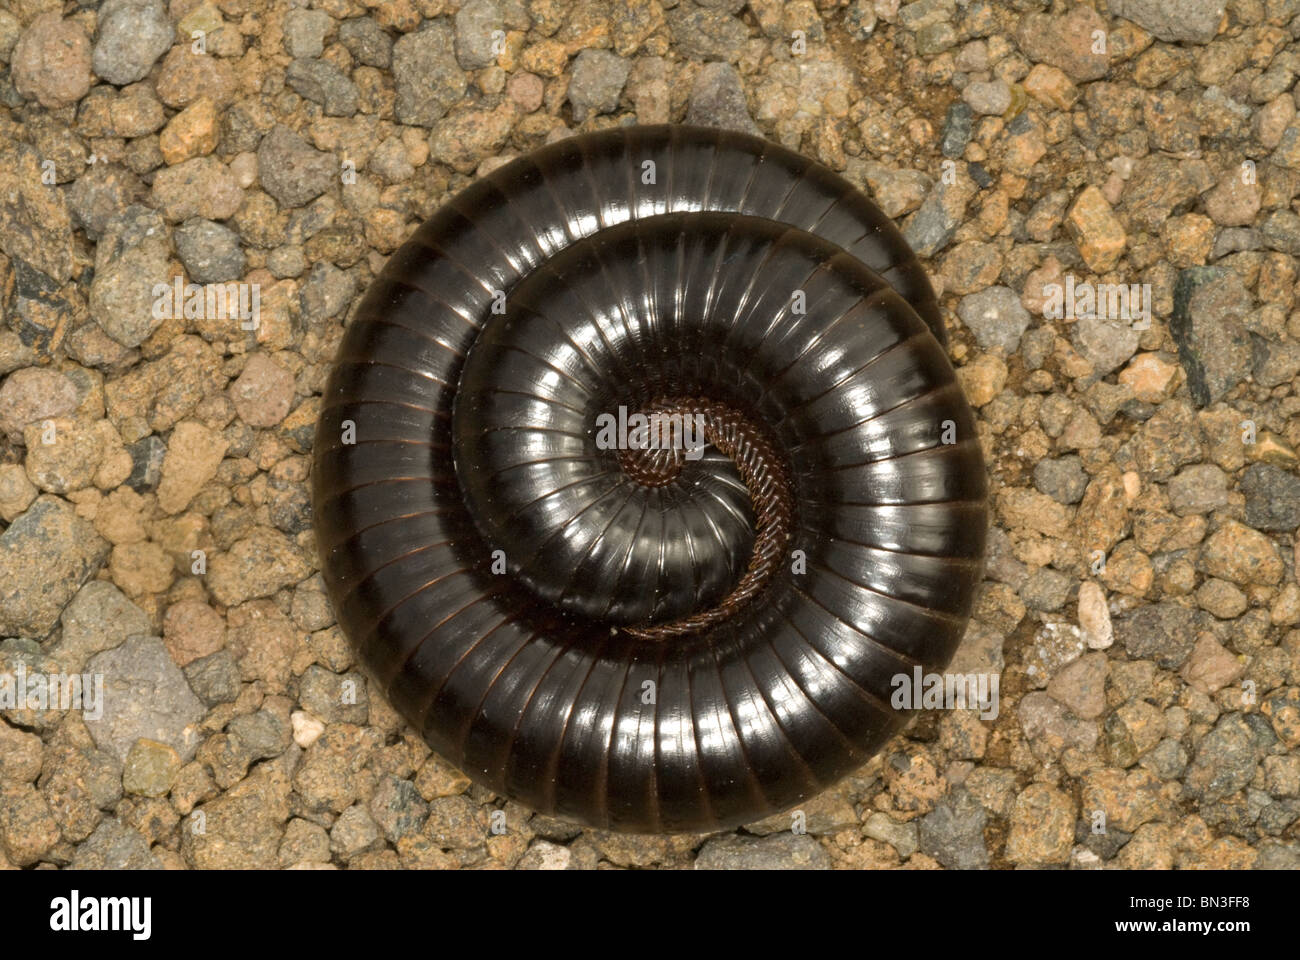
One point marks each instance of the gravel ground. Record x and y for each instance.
(1141, 606)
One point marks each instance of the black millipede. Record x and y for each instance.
(679, 639)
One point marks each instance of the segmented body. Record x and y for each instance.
(644, 640)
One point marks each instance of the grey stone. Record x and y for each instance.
(1279, 856)
(701, 34)
(286, 261)
(926, 13)
(953, 832)
(426, 75)
(996, 317)
(935, 38)
(781, 851)
(304, 32)
(1235, 240)
(1105, 845)
(290, 510)
(262, 734)
(324, 695)
(860, 19)
(1164, 632)
(1107, 344)
(46, 554)
(1167, 759)
(1272, 497)
(100, 617)
(145, 695)
(326, 291)
(1281, 231)
(114, 846)
(1046, 590)
(367, 41)
(311, 219)
(1274, 364)
(1261, 729)
(1214, 347)
(1188, 21)
(901, 836)
(355, 832)
(1277, 816)
(292, 170)
(1225, 760)
(215, 678)
(146, 463)
(133, 34)
(397, 807)
(995, 788)
(476, 22)
(390, 161)
(100, 193)
(956, 130)
(210, 251)
(1037, 345)
(932, 226)
(980, 650)
(718, 99)
(991, 98)
(1237, 815)
(1049, 726)
(1062, 479)
(323, 83)
(1200, 488)
(598, 79)
(130, 259)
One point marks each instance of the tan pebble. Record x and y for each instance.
(192, 630)
(16, 491)
(1152, 378)
(306, 728)
(194, 132)
(1051, 86)
(1094, 616)
(1132, 487)
(244, 169)
(141, 568)
(193, 454)
(1097, 233)
(983, 379)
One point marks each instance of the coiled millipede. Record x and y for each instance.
(679, 639)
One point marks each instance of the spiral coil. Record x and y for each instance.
(645, 639)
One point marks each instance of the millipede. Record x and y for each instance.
(637, 637)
